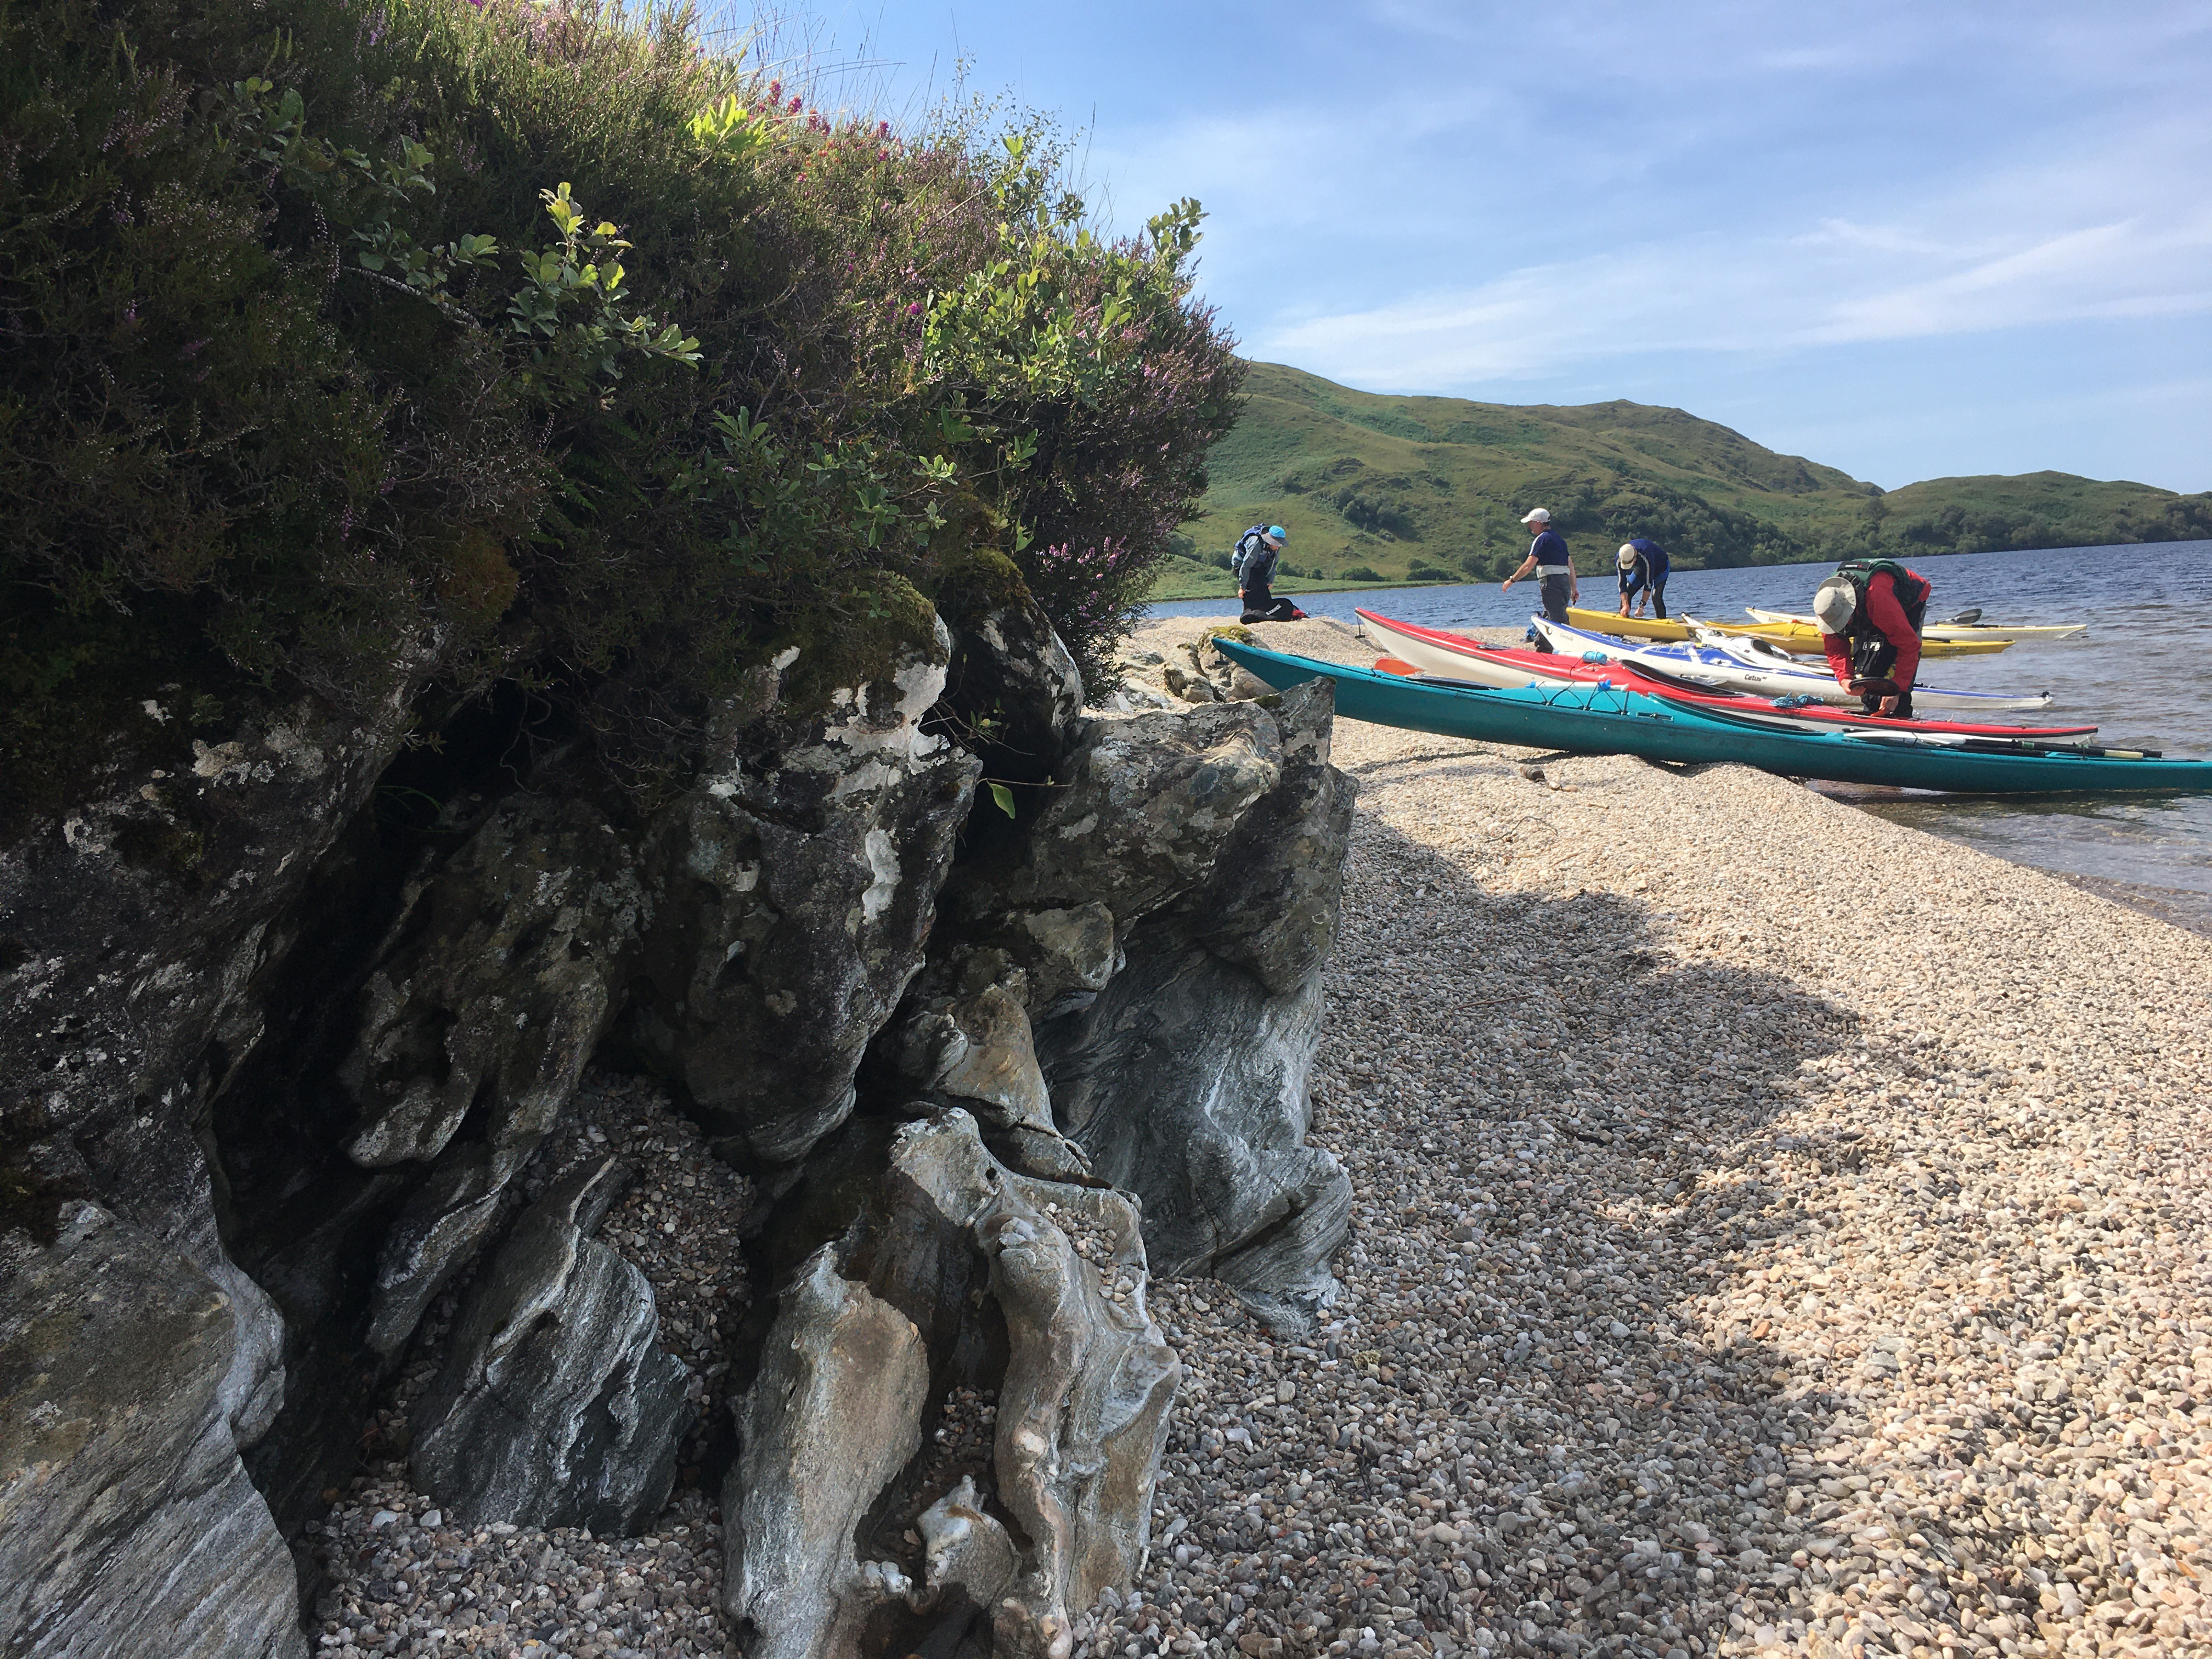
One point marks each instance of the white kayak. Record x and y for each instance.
(1737, 665)
(1471, 661)
(1955, 633)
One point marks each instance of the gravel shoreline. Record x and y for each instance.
(1778, 1231)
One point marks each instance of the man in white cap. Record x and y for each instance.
(1644, 566)
(1552, 564)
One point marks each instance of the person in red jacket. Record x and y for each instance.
(1870, 612)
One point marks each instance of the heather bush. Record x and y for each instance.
(537, 343)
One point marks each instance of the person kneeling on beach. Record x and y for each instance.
(1553, 565)
(1870, 612)
(1253, 562)
(1643, 564)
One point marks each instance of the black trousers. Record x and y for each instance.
(1556, 590)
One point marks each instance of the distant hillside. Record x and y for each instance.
(1432, 489)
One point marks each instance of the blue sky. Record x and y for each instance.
(1907, 240)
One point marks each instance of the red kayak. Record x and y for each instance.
(1435, 653)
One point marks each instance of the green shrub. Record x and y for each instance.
(1363, 572)
(535, 344)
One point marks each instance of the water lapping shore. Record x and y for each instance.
(1778, 1231)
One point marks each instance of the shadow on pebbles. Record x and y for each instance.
(1779, 1231)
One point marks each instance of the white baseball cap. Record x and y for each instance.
(1626, 555)
(1537, 515)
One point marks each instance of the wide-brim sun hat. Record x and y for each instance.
(1537, 515)
(1834, 602)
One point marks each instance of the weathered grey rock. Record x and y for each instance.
(1082, 1415)
(1067, 956)
(556, 1406)
(1186, 1083)
(1149, 805)
(944, 1233)
(136, 923)
(1272, 906)
(976, 1051)
(965, 1548)
(496, 986)
(1185, 1080)
(128, 1528)
(134, 981)
(1011, 680)
(794, 905)
(1188, 685)
(835, 1414)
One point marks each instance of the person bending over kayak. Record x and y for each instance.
(1253, 562)
(1870, 612)
(1644, 566)
(1553, 565)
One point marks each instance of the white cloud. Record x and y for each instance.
(1838, 280)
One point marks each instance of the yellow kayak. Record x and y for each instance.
(1798, 638)
(1952, 632)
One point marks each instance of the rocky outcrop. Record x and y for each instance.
(881, 1323)
(799, 884)
(976, 1050)
(835, 1414)
(556, 1406)
(136, 929)
(1164, 924)
(1185, 1079)
(309, 1058)
(1148, 805)
(1011, 685)
(127, 1523)
(494, 988)
(1185, 1082)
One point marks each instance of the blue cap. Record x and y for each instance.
(1278, 533)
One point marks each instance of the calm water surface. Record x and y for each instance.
(2139, 673)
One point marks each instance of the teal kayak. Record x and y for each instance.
(1587, 719)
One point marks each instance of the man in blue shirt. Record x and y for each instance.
(1643, 570)
(1553, 565)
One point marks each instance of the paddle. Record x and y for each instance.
(2001, 745)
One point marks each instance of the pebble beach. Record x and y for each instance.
(1778, 1231)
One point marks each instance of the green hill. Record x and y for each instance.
(1432, 489)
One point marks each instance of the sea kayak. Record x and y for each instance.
(1454, 656)
(1752, 666)
(1954, 633)
(1602, 720)
(1799, 639)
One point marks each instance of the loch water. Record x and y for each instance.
(2140, 673)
